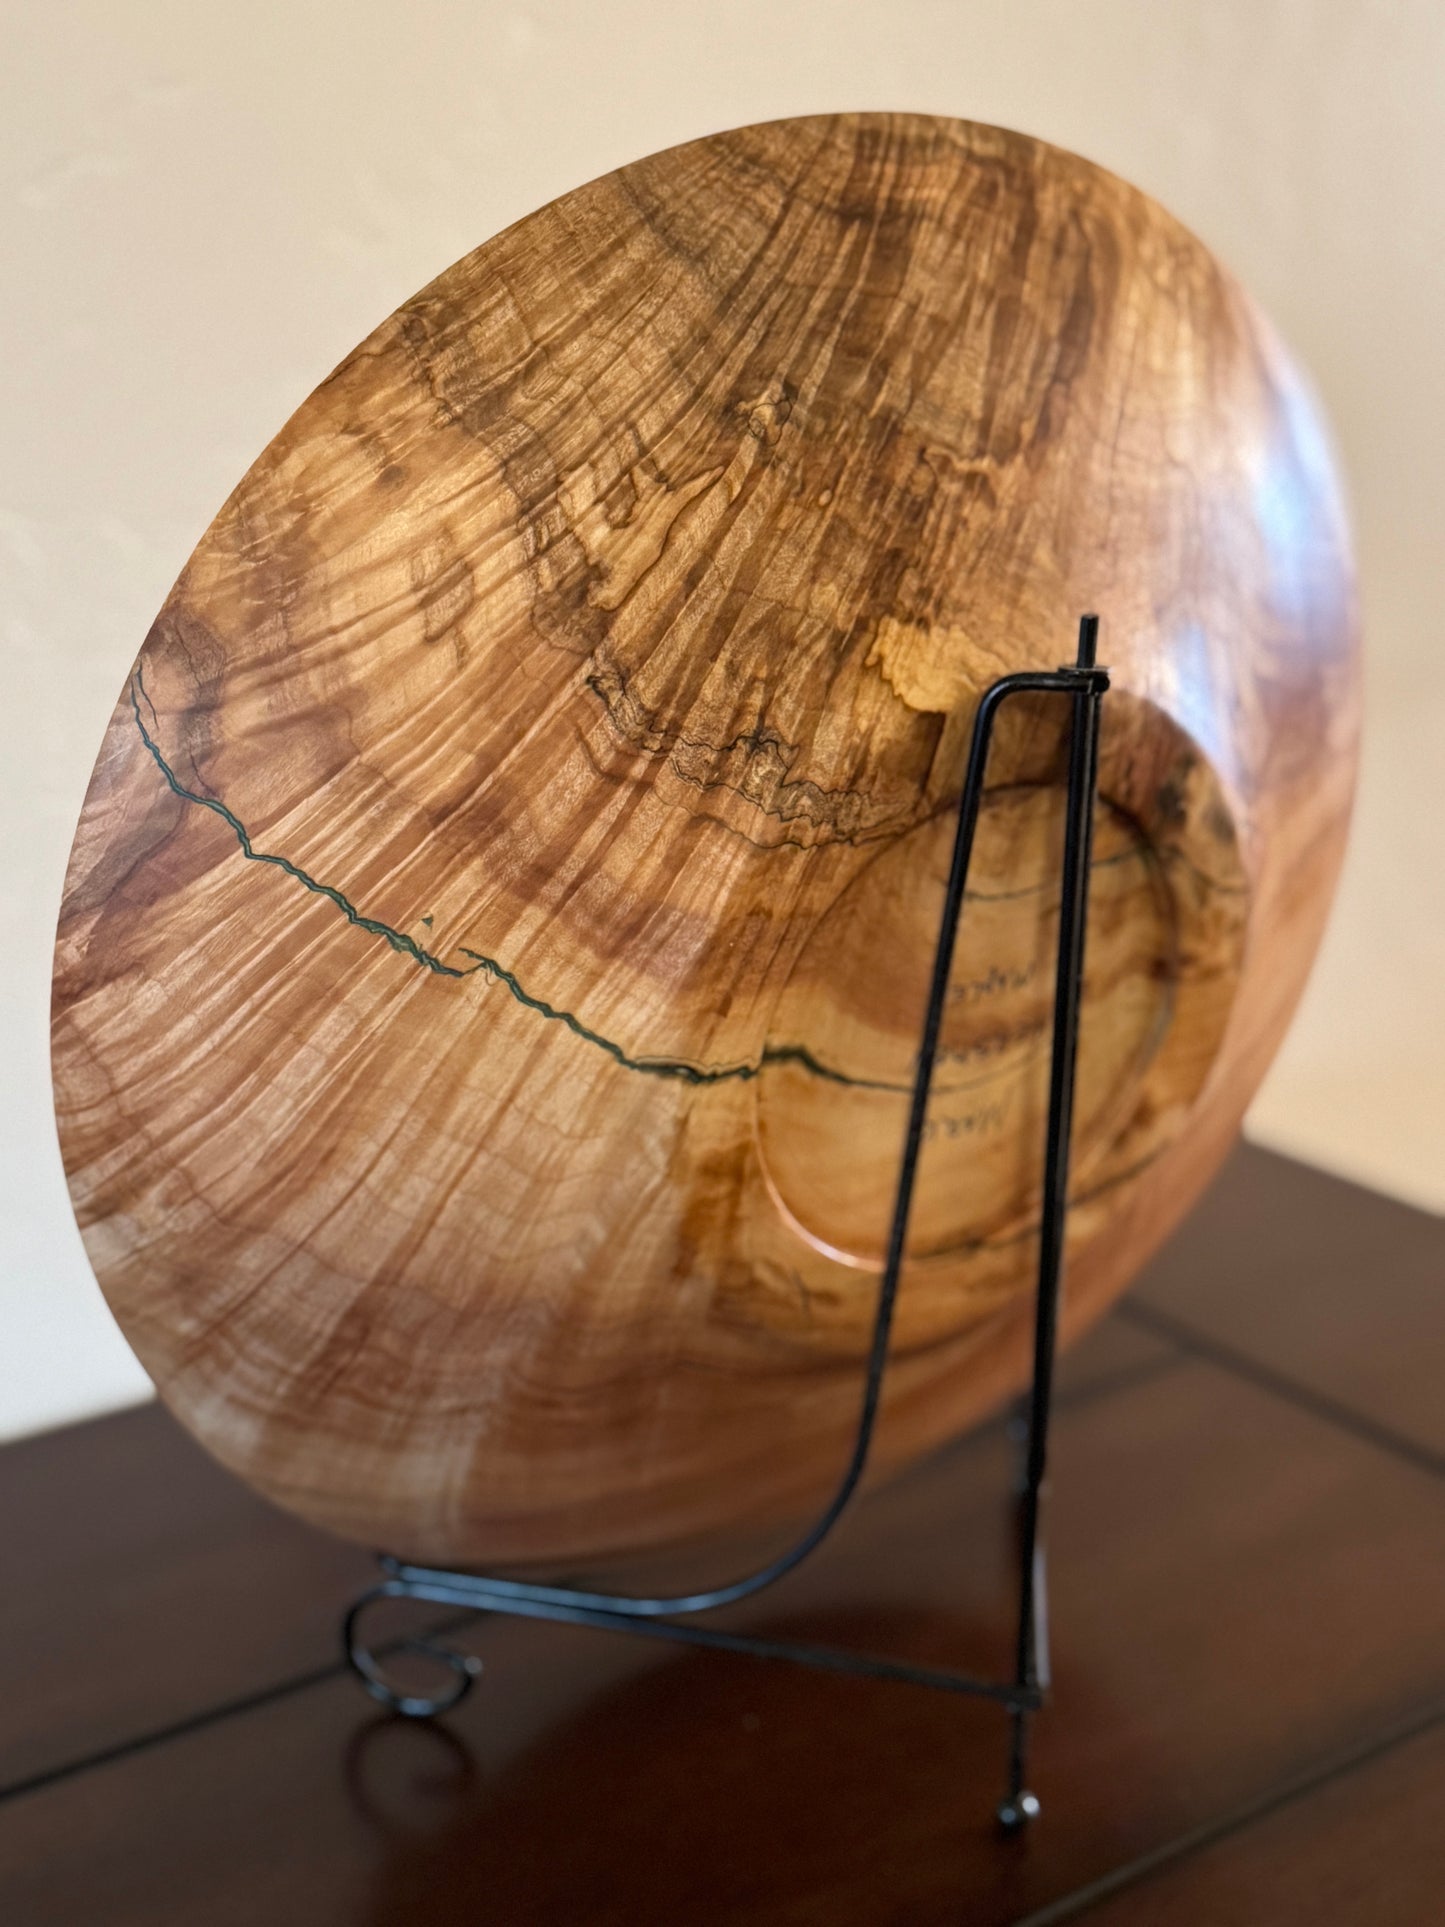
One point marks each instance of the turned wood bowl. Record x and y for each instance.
(493, 952)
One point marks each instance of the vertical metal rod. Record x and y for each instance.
(1018, 1804)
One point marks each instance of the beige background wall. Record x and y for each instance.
(206, 204)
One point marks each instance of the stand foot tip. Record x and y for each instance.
(1016, 1812)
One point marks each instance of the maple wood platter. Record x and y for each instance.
(493, 950)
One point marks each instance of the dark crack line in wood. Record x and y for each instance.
(399, 940)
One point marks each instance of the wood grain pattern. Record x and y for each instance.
(496, 934)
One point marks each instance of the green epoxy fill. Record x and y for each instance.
(408, 946)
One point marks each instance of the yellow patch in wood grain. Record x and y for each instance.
(924, 667)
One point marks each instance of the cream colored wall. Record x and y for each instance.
(205, 205)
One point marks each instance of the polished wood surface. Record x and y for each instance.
(1364, 1850)
(1248, 1697)
(151, 1586)
(493, 950)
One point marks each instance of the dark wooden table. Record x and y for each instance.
(1248, 1722)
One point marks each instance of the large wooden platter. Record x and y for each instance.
(496, 935)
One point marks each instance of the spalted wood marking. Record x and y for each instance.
(496, 934)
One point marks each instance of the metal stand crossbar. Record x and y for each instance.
(669, 1618)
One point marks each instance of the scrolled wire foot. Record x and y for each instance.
(367, 1662)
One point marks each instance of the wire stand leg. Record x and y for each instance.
(671, 1618)
(1018, 1805)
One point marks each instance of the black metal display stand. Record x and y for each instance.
(1083, 684)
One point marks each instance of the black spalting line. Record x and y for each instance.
(408, 946)
(396, 938)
